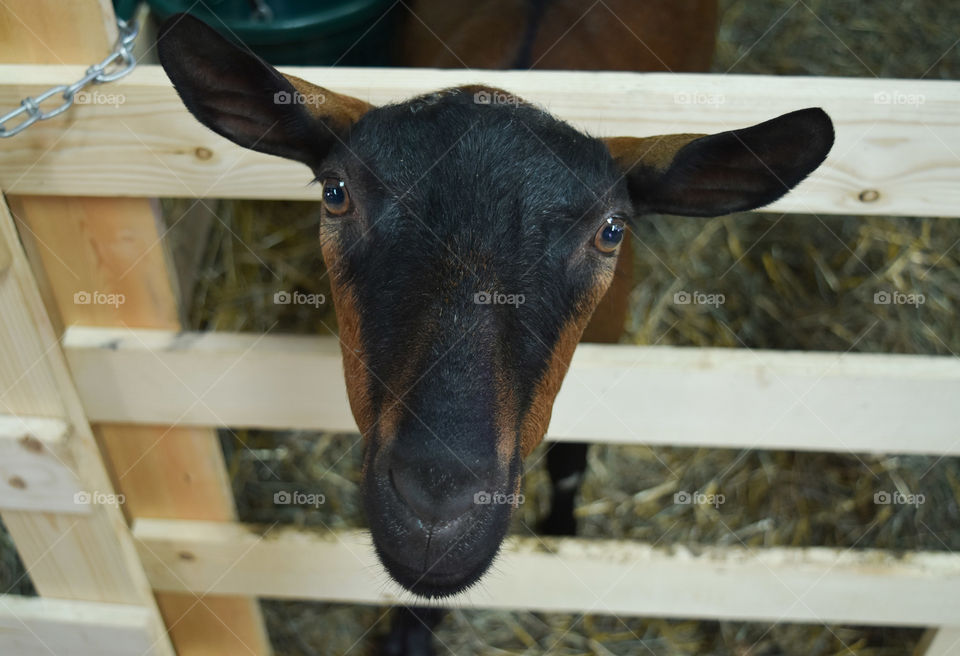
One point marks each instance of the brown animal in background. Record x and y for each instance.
(573, 35)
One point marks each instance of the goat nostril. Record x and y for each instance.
(431, 504)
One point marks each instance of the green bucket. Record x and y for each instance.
(298, 32)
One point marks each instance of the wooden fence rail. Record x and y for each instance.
(53, 627)
(898, 138)
(723, 398)
(569, 575)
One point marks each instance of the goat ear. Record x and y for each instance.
(735, 171)
(241, 97)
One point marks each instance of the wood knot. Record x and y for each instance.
(17, 482)
(869, 195)
(30, 443)
(187, 556)
(203, 153)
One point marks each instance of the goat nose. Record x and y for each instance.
(433, 497)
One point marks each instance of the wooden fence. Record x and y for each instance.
(120, 401)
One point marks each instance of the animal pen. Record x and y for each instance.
(91, 388)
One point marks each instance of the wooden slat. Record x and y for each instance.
(571, 575)
(88, 557)
(32, 626)
(169, 471)
(30, 31)
(95, 254)
(105, 265)
(613, 393)
(34, 470)
(897, 137)
(48, 431)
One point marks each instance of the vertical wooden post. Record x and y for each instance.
(113, 246)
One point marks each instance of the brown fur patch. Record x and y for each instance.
(393, 407)
(653, 35)
(616, 35)
(506, 419)
(444, 34)
(657, 153)
(606, 323)
(338, 110)
(537, 419)
(354, 369)
(351, 345)
(388, 420)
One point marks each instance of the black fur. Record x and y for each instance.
(236, 95)
(738, 170)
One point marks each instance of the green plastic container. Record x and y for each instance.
(125, 8)
(299, 32)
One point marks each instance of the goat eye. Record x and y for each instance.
(335, 197)
(610, 234)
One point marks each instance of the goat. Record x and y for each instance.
(469, 244)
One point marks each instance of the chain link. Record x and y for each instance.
(117, 64)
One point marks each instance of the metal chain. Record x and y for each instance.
(121, 60)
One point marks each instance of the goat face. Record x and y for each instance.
(468, 246)
(468, 242)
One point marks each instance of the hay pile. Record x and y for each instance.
(791, 282)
